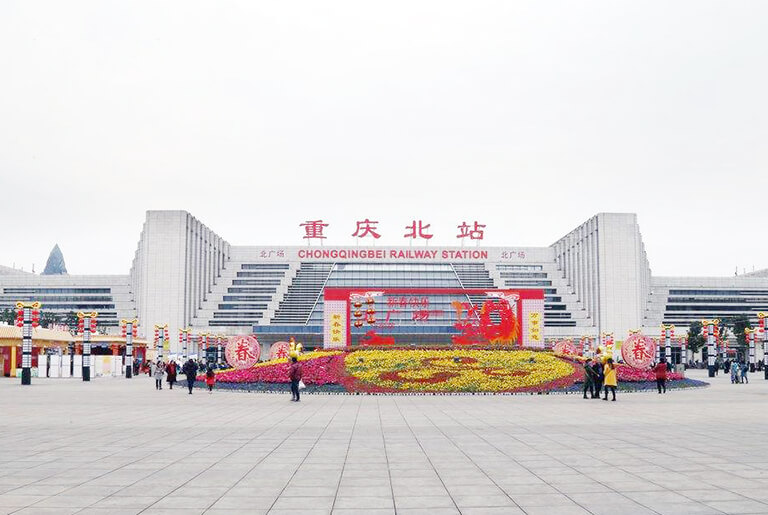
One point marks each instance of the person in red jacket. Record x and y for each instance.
(661, 375)
(294, 374)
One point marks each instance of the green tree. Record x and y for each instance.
(8, 316)
(696, 339)
(741, 322)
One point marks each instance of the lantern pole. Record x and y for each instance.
(750, 334)
(219, 349)
(683, 351)
(129, 329)
(27, 317)
(710, 331)
(161, 333)
(184, 340)
(761, 316)
(87, 323)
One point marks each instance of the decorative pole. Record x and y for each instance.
(86, 323)
(130, 329)
(683, 351)
(184, 340)
(204, 345)
(761, 316)
(668, 332)
(27, 317)
(219, 357)
(710, 332)
(161, 334)
(751, 334)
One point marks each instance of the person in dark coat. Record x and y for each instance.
(170, 370)
(589, 379)
(190, 370)
(660, 370)
(597, 367)
(294, 374)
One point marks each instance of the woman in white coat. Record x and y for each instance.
(158, 372)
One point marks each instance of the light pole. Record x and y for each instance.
(683, 351)
(668, 332)
(161, 335)
(761, 316)
(750, 335)
(184, 340)
(219, 349)
(86, 324)
(710, 332)
(27, 317)
(130, 330)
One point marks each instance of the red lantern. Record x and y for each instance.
(358, 304)
(369, 300)
(358, 314)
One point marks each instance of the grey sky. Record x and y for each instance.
(255, 116)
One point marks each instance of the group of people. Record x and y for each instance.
(160, 370)
(599, 377)
(739, 371)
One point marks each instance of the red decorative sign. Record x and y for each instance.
(365, 228)
(313, 229)
(418, 232)
(475, 233)
(564, 347)
(638, 351)
(279, 350)
(243, 351)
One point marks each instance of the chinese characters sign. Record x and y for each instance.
(417, 229)
(243, 351)
(638, 351)
(335, 324)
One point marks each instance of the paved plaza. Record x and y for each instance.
(115, 446)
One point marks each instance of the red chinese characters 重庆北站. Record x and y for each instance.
(365, 228)
(313, 229)
(474, 233)
(417, 230)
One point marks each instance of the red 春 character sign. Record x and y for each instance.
(242, 351)
(638, 351)
(279, 350)
(365, 228)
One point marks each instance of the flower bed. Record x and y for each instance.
(435, 370)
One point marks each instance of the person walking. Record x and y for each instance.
(171, 371)
(210, 379)
(598, 377)
(294, 374)
(190, 370)
(744, 371)
(158, 372)
(661, 375)
(734, 372)
(589, 379)
(610, 379)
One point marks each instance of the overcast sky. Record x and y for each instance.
(529, 117)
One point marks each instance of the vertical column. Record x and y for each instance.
(751, 334)
(761, 316)
(130, 329)
(709, 327)
(683, 351)
(27, 317)
(218, 349)
(184, 341)
(86, 325)
(669, 333)
(161, 335)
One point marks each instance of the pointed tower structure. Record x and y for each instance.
(55, 264)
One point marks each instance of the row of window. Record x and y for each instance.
(264, 266)
(719, 292)
(260, 274)
(40, 291)
(255, 282)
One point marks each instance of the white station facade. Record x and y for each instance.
(596, 280)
